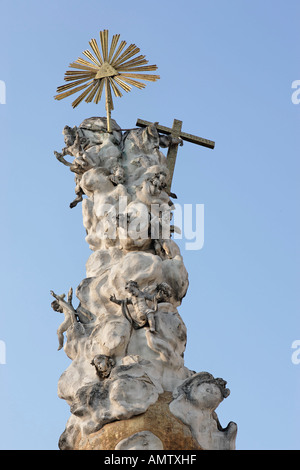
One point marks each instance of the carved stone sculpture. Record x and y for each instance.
(126, 339)
(142, 314)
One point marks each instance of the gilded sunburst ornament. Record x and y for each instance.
(114, 68)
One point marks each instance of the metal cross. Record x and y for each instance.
(173, 149)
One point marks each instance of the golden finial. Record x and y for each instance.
(112, 69)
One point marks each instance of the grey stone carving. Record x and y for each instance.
(126, 339)
(72, 316)
(142, 313)
(144, 440)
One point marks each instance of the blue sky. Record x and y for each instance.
(226, 70)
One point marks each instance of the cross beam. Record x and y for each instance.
(175, 131)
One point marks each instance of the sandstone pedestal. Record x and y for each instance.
(157, 421)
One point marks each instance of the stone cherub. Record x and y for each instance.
(76, 146)
(117, 175)
(163, 140)
(195, 401)
(72, 316)
(76, 142)
(157, 181)
(142, 314)
(72, 142)
(103, 365)
(151, 190)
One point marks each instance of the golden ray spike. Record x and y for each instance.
(140, 60)
(94, 46)
(70, 92)
(141, 76)
(70, 78)
(104, 43)
(80, 72)
(75, 81)
(116, 90)
(83, 62)
(99, 92)
(118, 51)
(114, 42)
(129, 52)
(122, 84)
(83, 67)
(88, 54)
(145, 68)
(133, 82)
(78, 77)
(90, 97)
(131, 47)
(82, 96)
(128, 55)
(71, 85)
(133, 67)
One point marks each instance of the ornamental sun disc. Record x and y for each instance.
(114, 69)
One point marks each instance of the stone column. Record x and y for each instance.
(127, 385)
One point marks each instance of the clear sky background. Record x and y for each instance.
(226, 71)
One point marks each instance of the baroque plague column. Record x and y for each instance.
(127, 385)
